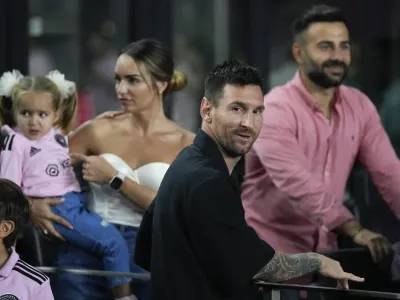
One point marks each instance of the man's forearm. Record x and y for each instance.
(350, 228)
(283, 267)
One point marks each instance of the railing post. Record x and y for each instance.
(272, 295)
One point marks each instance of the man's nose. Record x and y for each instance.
(338, 54)
(248, 120)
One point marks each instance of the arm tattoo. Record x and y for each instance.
(284, 267)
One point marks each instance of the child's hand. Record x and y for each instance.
(94, 168)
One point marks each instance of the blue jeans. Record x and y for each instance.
(92, 234)
(78, 287)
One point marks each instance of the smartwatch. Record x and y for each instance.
(117, 181)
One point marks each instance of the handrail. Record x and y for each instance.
(272, 290)
(90, 272)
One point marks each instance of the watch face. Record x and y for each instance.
(116, 183)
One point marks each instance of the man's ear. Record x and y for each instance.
(297, 52)
(6, 228)
(206, 108)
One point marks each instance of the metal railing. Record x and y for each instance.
(90, 272)
(272, 291)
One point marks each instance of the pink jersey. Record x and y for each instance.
(42, 168)
(20, 281)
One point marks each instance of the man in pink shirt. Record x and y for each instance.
(314, 129)
(18, 280)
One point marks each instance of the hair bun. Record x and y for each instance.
(178, 81)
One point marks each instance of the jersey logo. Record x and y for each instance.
(66, 163)
(61, 140)
(8, 297)
(52, 170)
(33, 151)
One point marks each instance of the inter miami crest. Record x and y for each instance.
(8, 297)
(61, 140)
(52, 170)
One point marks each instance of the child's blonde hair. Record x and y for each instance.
(13, 85)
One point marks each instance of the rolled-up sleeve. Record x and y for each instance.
(282, 157)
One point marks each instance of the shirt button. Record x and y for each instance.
(326, 173)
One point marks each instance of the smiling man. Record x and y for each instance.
(194, 238)
(314, 128)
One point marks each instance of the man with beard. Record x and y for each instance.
(194, 238)
(314, 128)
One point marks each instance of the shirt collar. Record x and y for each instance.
(49, 135)
(306, 96)
(10, 263)
(210, 149)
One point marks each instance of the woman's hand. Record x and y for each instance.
(94, 168)
(43, 217)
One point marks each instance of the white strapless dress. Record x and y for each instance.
(112, 205)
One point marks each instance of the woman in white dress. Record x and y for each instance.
(124, 158)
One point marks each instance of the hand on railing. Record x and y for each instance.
(332, 269)
(379, 247)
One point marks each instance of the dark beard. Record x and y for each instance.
(319, 77)
(229, 148)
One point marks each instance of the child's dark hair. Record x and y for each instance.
(66, 106)
(14, 207)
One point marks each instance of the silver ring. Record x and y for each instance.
(45, 231)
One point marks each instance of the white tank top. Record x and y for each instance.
(112, 205)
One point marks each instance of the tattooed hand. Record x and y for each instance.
(283, 267)
(331, 268)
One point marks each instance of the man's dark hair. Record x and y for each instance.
(13, 207)
(317, 14)
(232, 72)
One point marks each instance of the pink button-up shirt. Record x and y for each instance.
(297, 169)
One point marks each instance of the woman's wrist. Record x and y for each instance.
(110, 175)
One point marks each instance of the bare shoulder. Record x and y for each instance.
(95, 127)
(86, 138)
